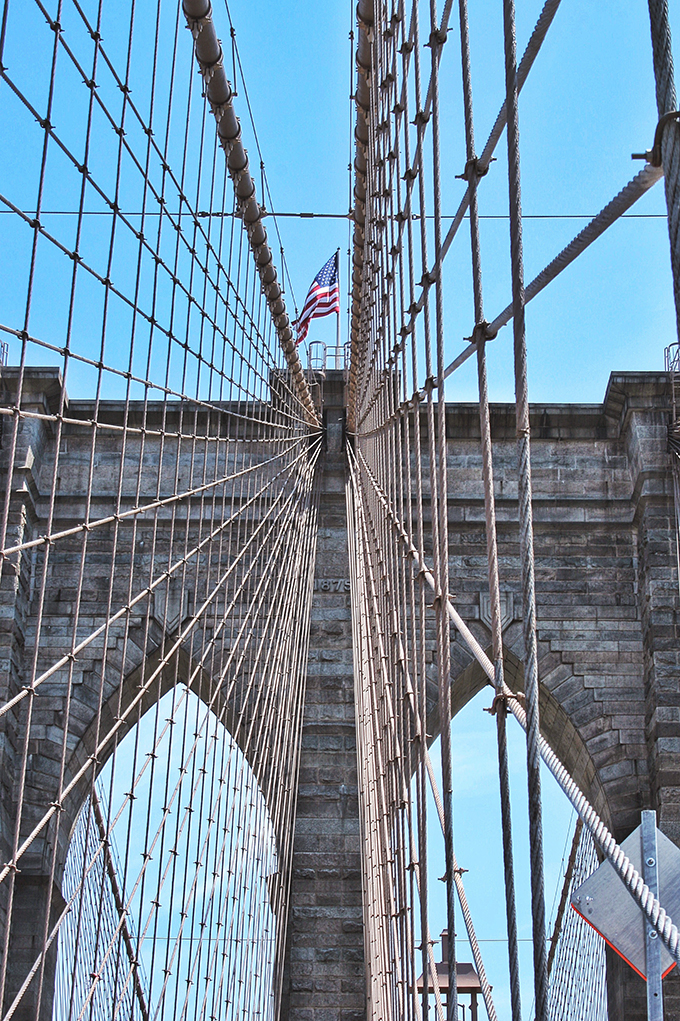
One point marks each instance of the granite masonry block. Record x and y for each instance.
(608, 630)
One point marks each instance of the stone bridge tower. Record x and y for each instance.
(607, 584)
(609, 636)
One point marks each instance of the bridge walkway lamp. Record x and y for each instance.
(467, 979)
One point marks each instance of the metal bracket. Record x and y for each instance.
(653, 155)
(481, 333)
(650, 858)
(500, 701)
(474, 169)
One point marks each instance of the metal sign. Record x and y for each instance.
(605, 903)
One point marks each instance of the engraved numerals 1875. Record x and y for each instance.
(331, 584)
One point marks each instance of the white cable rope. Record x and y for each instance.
(160, 522)
(161, 452)
(633, 881)
(612, 212)
(362, 543)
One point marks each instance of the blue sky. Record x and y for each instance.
(589, 102)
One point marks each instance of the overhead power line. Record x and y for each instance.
(204, 214)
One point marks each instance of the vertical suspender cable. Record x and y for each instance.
(666, 102)
(219, 92)
(417, 588)
(437, 40)
(472, 170)
(525, 520)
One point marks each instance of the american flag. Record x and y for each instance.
(323, 297)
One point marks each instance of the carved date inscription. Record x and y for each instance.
(331, 584)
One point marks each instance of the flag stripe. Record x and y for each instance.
(323, 297)
(325, 302)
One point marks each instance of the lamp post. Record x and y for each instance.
(467, 979)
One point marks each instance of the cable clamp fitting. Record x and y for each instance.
(218, 109)
(437, 37)
(481, 333)
(501, 700)
(208, 71)
(474, 169)
(653, 155)
(196, 25)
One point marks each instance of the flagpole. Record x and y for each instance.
(337, 337)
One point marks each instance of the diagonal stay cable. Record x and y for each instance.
(624, 867)
(457, 876)
(143, 688)
(370, 748)
(193, 399)
(613, 211)
(105, 281)
(276, 607)
(142, 594)
(86, 766)
(531, 52)
(230, 662)
(120, 908)
(186, 631)
(165, 501)
(481, 164)
(147, 431)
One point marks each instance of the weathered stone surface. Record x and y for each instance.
(325, 925)
(607, 592)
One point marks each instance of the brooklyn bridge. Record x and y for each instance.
(255, 593)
